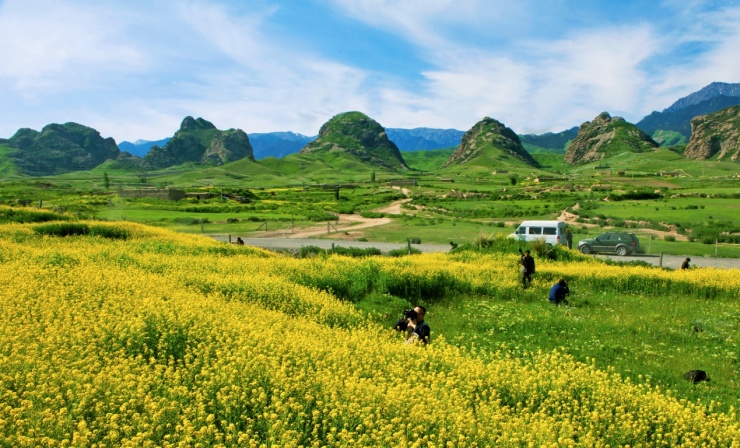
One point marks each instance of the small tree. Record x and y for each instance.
(512, 179)
(372, 177)
(106, 181)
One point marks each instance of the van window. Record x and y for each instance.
(521, 230)
(551, 230)
(535, 230)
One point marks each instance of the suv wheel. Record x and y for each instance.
(585, 249)
(621, 251)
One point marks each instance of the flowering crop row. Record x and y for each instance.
(174, 340)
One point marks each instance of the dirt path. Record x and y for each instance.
(345, 222)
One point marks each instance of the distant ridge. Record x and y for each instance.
(550, 140)
(707, 92)
(677, 117)
(419, 139)
(277, 144)
(141, 147)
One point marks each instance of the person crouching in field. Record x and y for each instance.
(413, 323)
(558, 292)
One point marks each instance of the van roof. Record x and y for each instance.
(542, 223)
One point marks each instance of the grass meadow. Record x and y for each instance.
(139, 336)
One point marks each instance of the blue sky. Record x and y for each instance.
(134, 69)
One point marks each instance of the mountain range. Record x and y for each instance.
(60, 148)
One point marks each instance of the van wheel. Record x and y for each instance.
(621, 251)
(586, 249)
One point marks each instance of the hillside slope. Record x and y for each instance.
(359, 136)
(715, 136)
(199, 141)
(492, 140)
(60, 148)
(605, 137)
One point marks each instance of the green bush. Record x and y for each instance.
(78, 229)
(23, 216)
(669, 238)
(403, 252)
(113, 233)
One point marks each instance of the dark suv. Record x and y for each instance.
(621, 243)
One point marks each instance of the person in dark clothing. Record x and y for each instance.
(416, 327)
(685, 264)
(558, 292)
(239, 241)
(527, 267)
(569, 238)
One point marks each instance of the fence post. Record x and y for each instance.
(229, 238)
(408, 243)
(201, 227)
(716, 246)
(650, 243)
(661, 259)
(332, 247)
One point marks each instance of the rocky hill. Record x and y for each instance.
(716, 136)
(604, 137)
(60, 148)
(199, 141)
(490, 137)
(360, 136)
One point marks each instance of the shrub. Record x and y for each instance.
(541, 249)
(356, 251)
(62, 229)
(484, 240)
(110, 232)
(22, 216)
(402, 252)
(74, 229)
(669, 238)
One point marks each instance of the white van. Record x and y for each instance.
(553, 232)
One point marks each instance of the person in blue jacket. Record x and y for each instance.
(558, 292)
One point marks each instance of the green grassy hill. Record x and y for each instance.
(8, 169)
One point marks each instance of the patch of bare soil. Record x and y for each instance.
(345, 223)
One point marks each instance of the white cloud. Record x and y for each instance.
(134, 69)
(51, 46)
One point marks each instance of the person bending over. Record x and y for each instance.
(558, 292)
(413, 323)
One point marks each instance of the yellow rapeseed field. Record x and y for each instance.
(163, 339)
